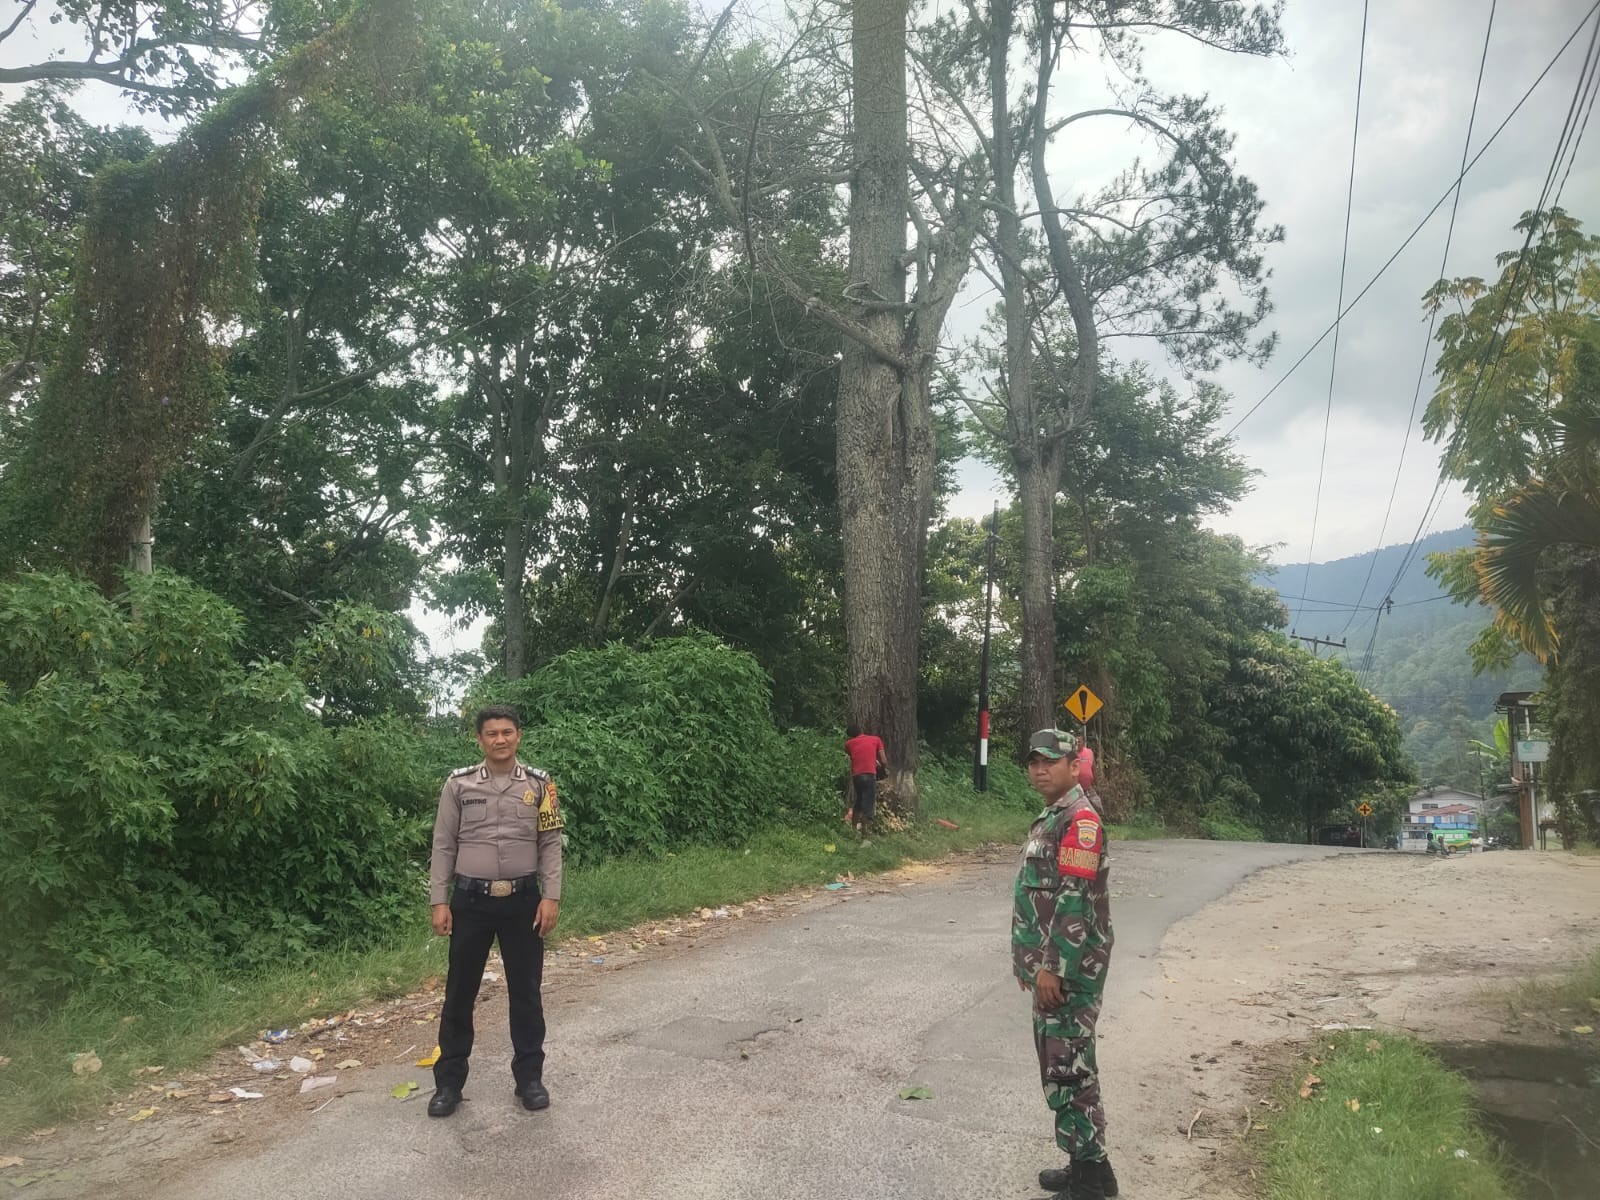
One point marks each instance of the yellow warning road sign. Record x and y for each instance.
(1083, 704)
(1364, 809)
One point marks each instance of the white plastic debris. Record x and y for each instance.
(312, 1082)
(301, 1066)
(242, 1094)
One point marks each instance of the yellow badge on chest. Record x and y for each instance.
(529, 798)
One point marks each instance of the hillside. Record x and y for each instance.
(1421, 663)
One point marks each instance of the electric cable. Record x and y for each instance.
(1344, 262)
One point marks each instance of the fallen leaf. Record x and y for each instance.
(150, 1070)
(430, 1059)
(86, 1063)
(180, 1093)
(917, 1092)
(317, 1054)
(221, 1098)
(10, 1160)
(1373, 1044)
(401, 1091)
(1307, 1084)
(5, 1060)
(144, 1114)
(347, 1064)
(1353, 1104)
(1583, 1029)
(830, 848)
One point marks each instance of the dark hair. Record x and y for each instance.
(498, 712)
(851, 731)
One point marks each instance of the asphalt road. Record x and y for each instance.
(767, 1064)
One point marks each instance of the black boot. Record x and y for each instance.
(533, 1095)
(1064, 1182)
(444, 1102)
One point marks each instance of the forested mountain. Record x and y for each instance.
(1420, 659)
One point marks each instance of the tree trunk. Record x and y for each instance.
(1033, 452)
(1038, 479)
(141, 545)
(885, 427)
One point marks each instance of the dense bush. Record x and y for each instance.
(164, 806)
(669, 744)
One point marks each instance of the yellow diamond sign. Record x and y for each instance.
(1364, 809)
(1083, 704)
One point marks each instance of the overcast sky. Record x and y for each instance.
(1293, 119)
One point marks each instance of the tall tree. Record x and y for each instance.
(1518, 408)
(1167, 251)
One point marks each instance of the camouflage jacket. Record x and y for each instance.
(1061, 915)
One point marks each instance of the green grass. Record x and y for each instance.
(221, 1009)
(1320, 1147)
(1569, 1000)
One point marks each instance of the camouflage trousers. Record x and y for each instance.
(1064, 1038)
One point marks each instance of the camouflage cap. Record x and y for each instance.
(1053, 743)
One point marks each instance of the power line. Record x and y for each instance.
(1571, 136)
(1588, 78)
(1433, 318)
(1426, 217)
(1344, 262)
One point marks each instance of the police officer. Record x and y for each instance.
(495, 875)
(1061, 949)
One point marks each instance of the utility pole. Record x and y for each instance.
(1315, 642)
(980, 762)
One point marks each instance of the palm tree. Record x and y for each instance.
(1561, 508)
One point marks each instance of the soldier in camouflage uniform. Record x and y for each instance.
(1061, 950)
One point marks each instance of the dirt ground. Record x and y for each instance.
(1398, 942)
(1193, 1033)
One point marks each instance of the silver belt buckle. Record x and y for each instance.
(500, 887)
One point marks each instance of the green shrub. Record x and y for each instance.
(663, 746)
(164, 806)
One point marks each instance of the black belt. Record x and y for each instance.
(495, 887)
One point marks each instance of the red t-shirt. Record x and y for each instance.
(1086, 767)
(863, 752)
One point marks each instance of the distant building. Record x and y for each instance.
(1442, 811)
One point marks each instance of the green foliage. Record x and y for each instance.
(659, 747)
(164, 807)
(1411, 1134)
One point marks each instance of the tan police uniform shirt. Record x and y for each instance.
(497, 827)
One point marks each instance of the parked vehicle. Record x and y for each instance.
(1340, 835)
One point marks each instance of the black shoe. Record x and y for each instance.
(533, 1095)
(1062, 1181)
(444, 1102)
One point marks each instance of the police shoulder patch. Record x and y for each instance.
(1082, 841)
(550, 808)
(460, 771)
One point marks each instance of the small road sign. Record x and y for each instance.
(1364, 809)
(1083, 704)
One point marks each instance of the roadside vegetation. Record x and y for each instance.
(1370, 1116)
(217, 1006)
(1567, 1006)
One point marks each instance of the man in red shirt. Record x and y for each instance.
(866, 755)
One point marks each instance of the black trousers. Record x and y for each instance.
(477, 921)
(866, 796)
